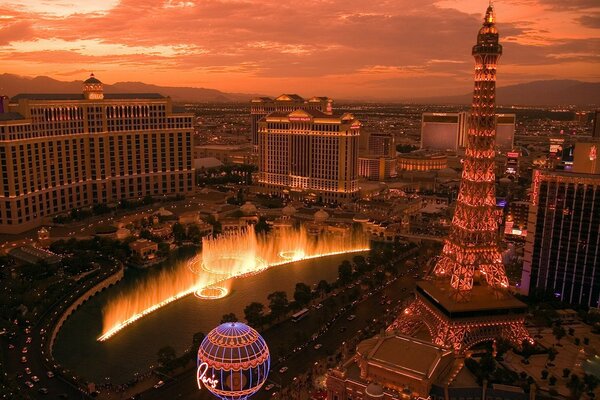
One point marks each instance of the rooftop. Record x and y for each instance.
(482, 300)
(33, 255)
(79, 96)
(92, 80)
(404, 355)
(11, 116)
(300, 114)
(289, 97)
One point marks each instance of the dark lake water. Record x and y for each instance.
(135, 348)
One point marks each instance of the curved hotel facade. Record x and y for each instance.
(64, 151)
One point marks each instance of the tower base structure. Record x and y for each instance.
(486, 316)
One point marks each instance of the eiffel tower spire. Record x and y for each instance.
(472, 244)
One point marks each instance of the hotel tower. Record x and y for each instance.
(60, 152)
(309, 155)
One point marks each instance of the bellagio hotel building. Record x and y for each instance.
(64, 151)
(309, 155)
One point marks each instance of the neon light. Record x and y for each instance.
(203, 380)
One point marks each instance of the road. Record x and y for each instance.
(340, 330)
(37, 360)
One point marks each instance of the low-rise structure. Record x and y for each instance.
(144, 248)
(225, 153)
(398, 363)
(422, 160)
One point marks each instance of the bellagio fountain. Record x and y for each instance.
(223, 258)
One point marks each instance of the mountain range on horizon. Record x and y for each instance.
(536, 93)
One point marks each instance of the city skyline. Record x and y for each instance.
(384, 51)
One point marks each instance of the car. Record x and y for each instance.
(269, 387)
(23, 359)
(28, 340)
(283, 369)
(28, 384)
(27, 331)
(351, 317)
(35, 378)
(11, 346)
(318, 346)
(43, 390)
(24, 351)
(28, 371)
(159, 384)
(63, 396)
(342, 329)
(50, 374)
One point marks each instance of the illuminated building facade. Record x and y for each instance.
(376, 168)
(64, 151)
(381, 144)
(378, 163)
(390, 366)
(512, 164)
(443, 131)
(562, 252)
(398, 363)
(596, 129)
(308, 154)
(422, 160)
(260, 107)
(457, 312)
(449, 131)
(585, 158)
(516, 219)
(505, 132)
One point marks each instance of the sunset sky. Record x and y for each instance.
(369, 49)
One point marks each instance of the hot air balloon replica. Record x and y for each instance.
(233, 361)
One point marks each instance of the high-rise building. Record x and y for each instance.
(308, 154)
(449, 131)
(562, 252)
(516, 219)
(511, 168)
(376, 168)
(505, 132)
(581, 117)
(456, 311)
(443, 131)
(585, 157)
(262, 106)
(378, 162)
(381, 144)
(596, 130)
(64, 151)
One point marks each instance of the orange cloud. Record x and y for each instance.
(387, 49)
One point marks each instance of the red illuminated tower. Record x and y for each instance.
(473, 241)
(466, 302)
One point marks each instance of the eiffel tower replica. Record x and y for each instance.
(466, 301)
